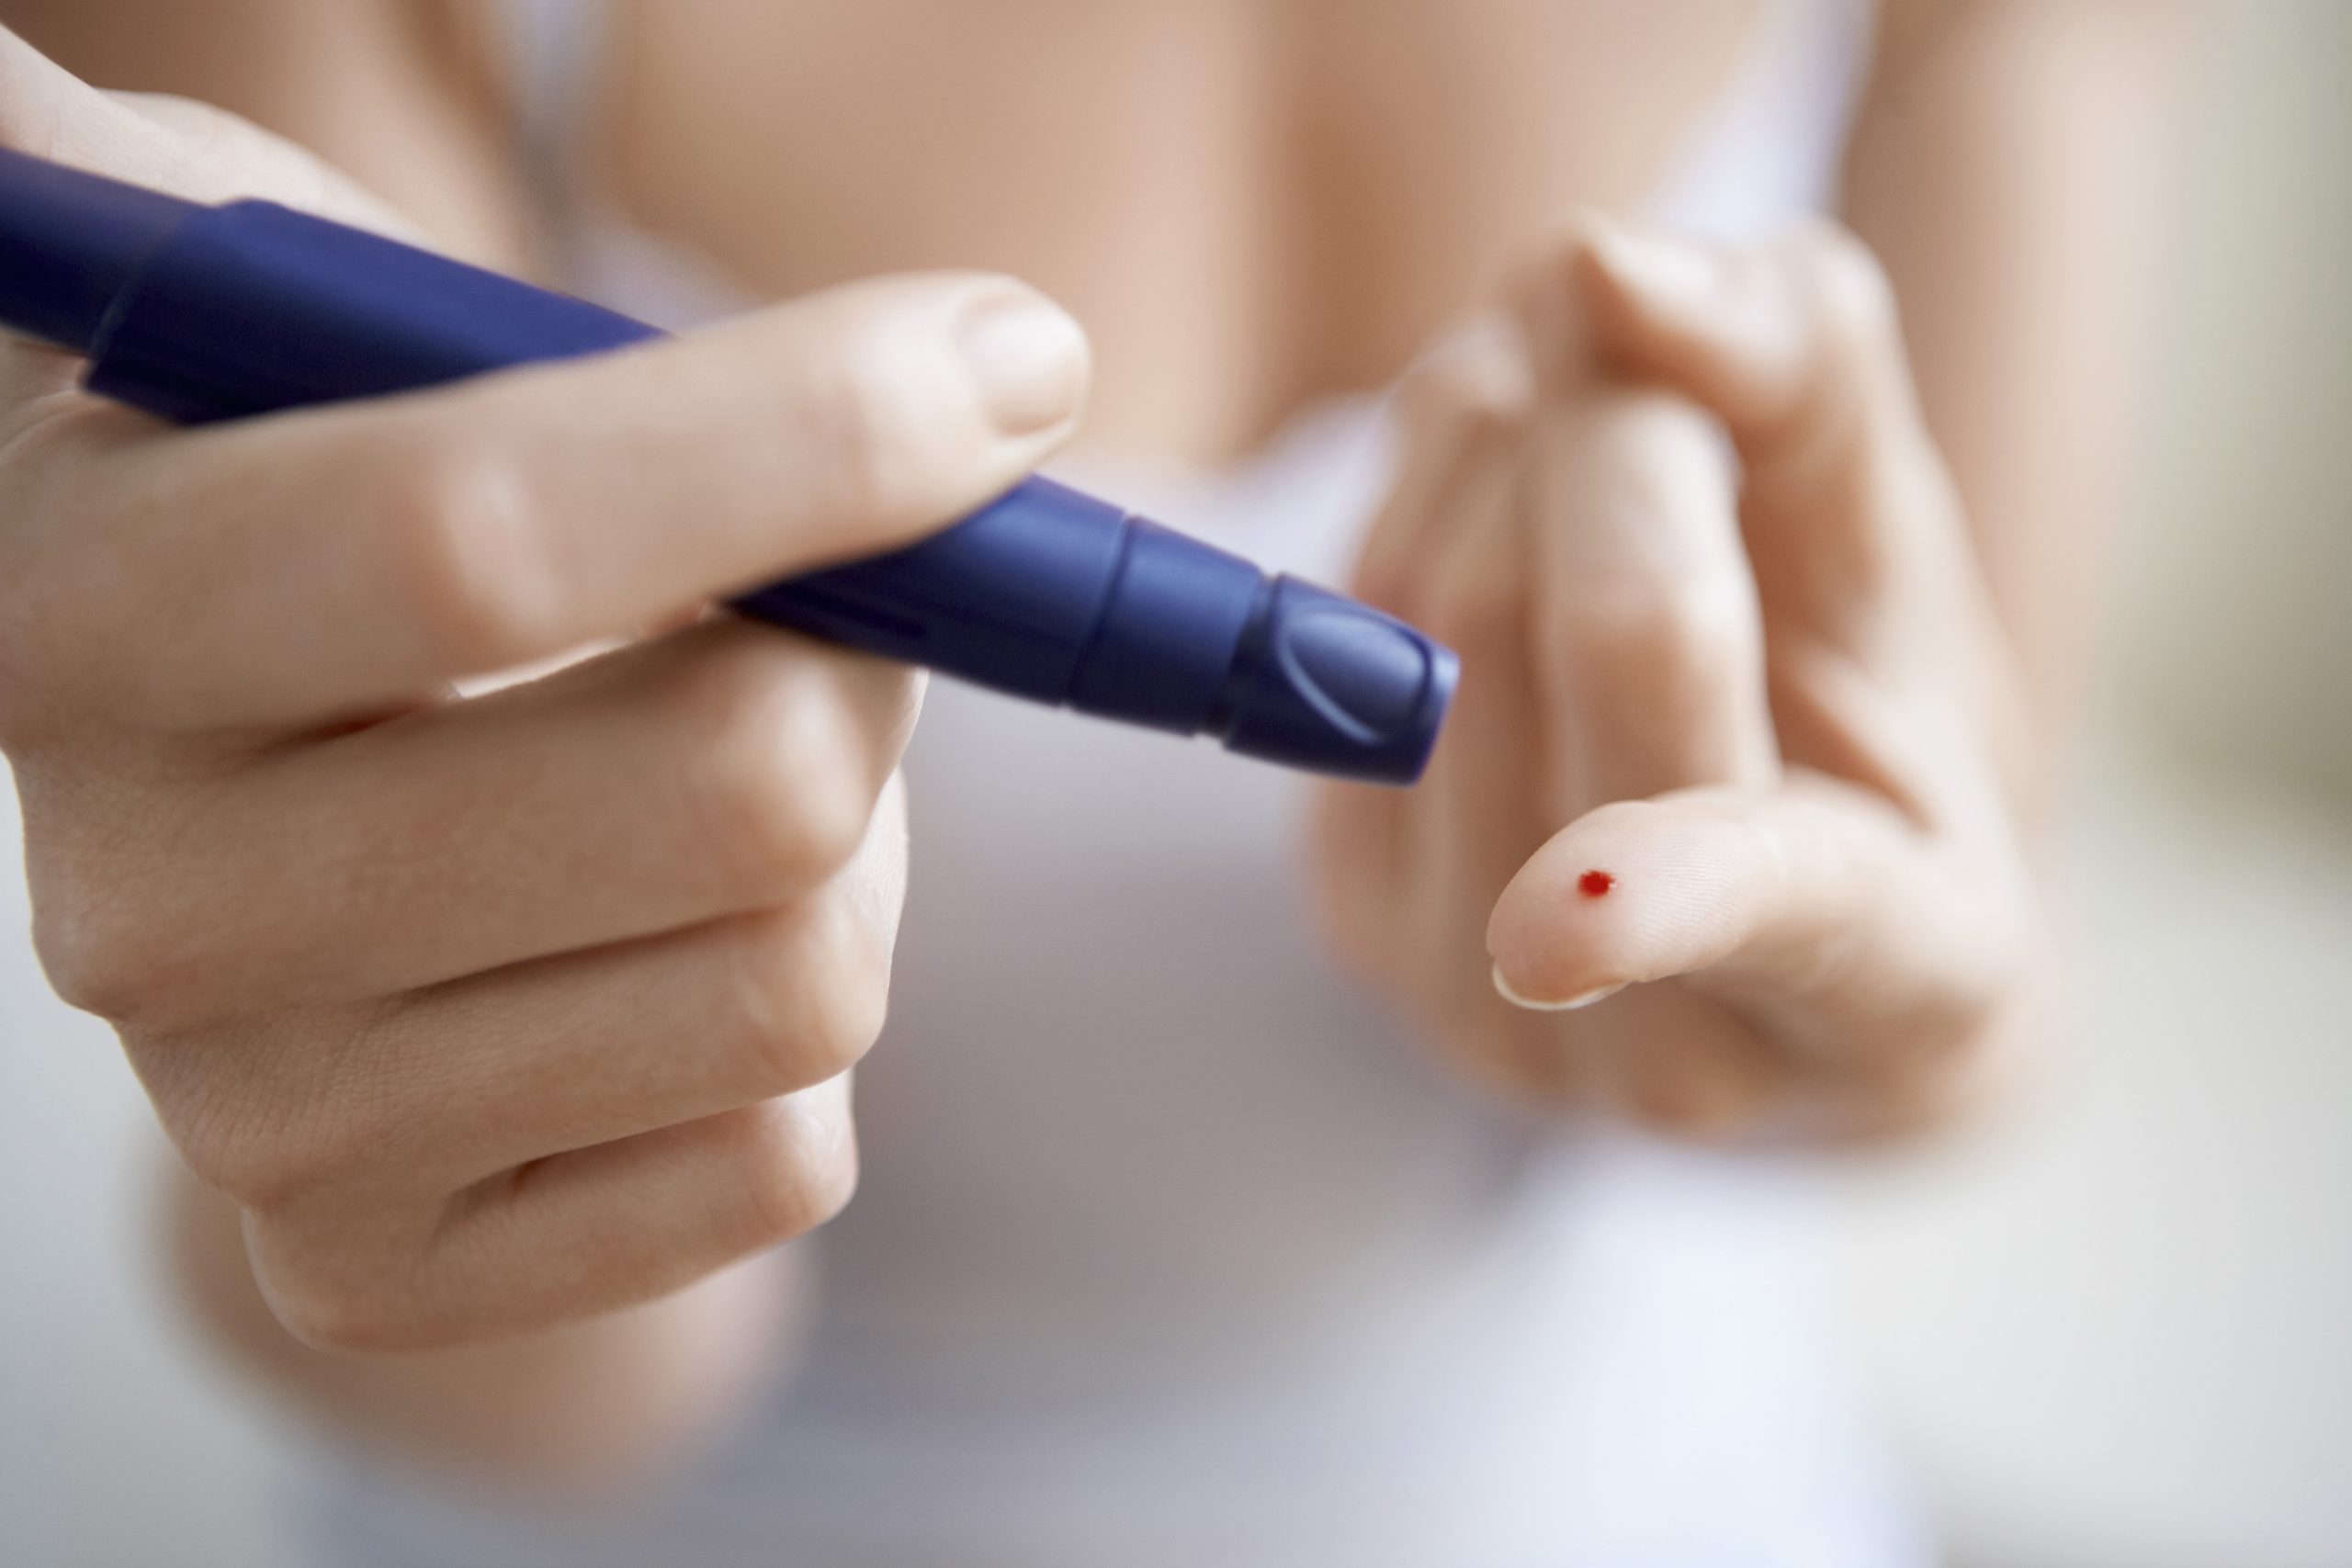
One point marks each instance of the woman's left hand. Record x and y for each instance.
(1724, 832)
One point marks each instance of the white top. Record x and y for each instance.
(1170, 1248)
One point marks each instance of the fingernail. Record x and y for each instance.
(1518, 999)
(1027, 360)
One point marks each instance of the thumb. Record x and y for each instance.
(172, 144)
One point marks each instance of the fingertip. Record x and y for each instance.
(1550, 299)
(1659, 306)
(1635, 891)
(1642, 268)
(1707, 1079)
(1609, 296)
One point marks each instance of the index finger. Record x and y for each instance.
(317, 562)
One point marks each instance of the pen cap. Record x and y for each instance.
(1051, 594)
(1324, 682)
(1194, 639)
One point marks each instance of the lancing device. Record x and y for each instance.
(199, 313)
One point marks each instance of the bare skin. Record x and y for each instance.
(1740, 760)
(1246, 206)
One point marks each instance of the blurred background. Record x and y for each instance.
(2114, 1327)
(2117, 1329)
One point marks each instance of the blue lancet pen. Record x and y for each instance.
(197, 314)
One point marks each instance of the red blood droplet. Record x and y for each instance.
(1595, 883)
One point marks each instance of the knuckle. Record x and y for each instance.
(266, 1166)
(1678, 1100)
(338, 1308)
(781, 766)
(1970, 1014)
(468, 554)
(220, 1157)
(82, 964)
(102, 958)
(809, 1008)
(1671, 1109)
(1700, 1088)
(799, 1171)
(1688, 638)
(321, 1311)
(364, 1282)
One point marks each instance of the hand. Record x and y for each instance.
(489, 1013)
(1729, 804)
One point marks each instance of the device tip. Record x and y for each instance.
(1341, 688)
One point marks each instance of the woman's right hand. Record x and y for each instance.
(495, 1012)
